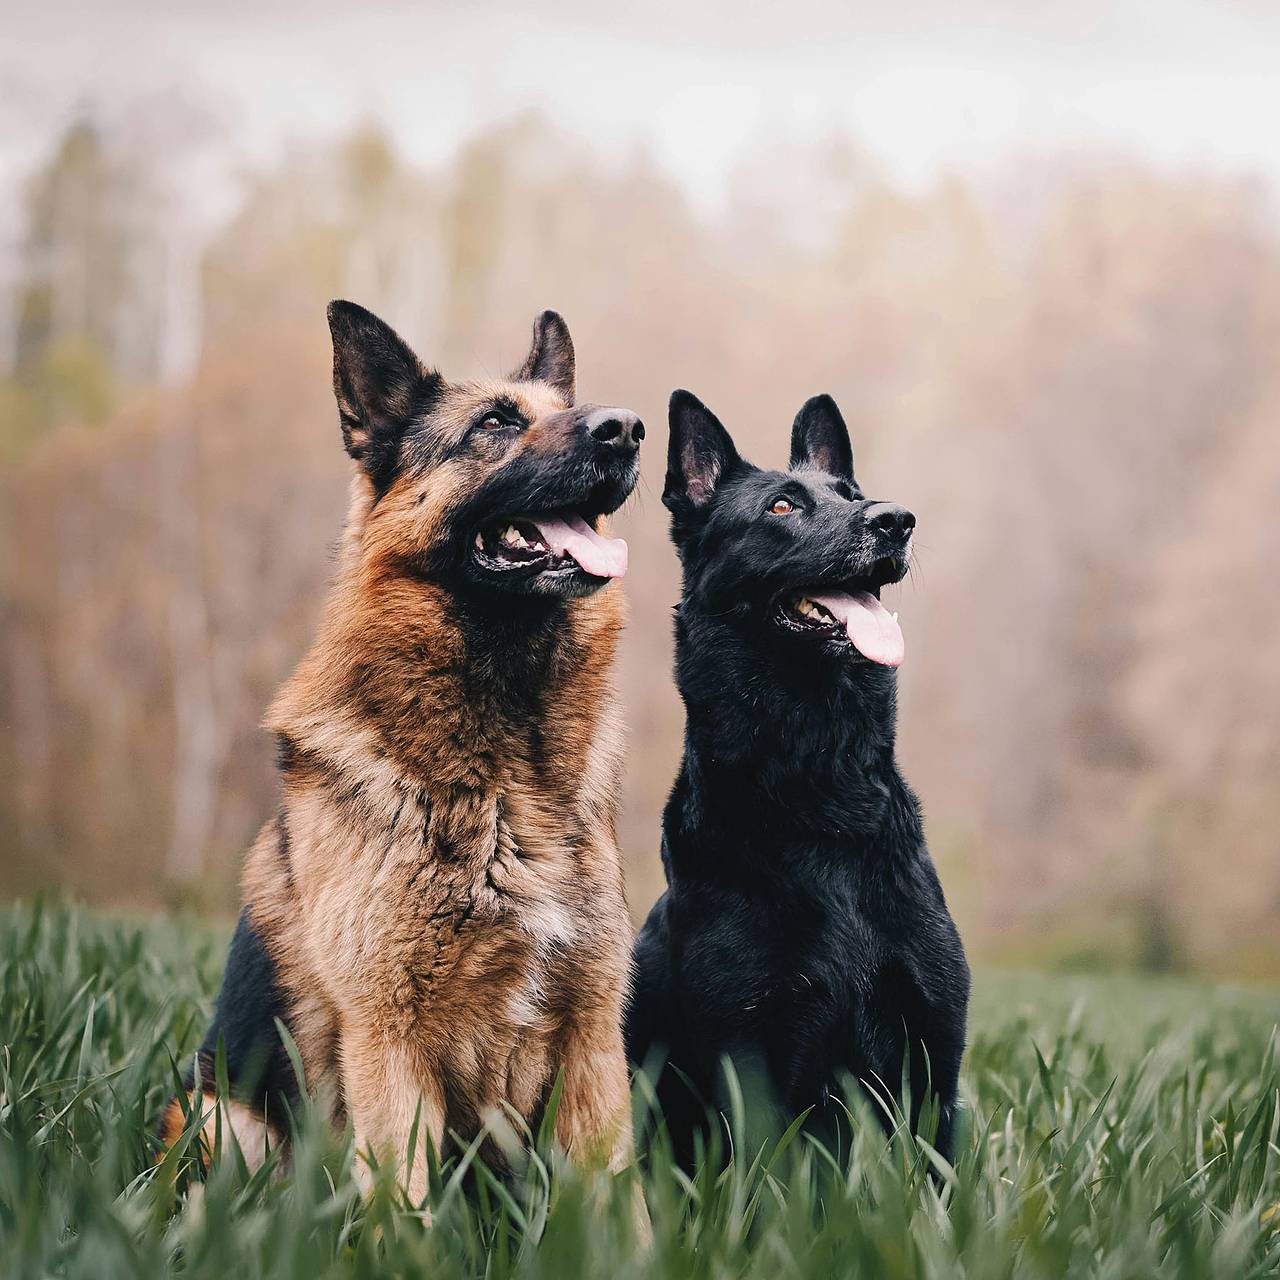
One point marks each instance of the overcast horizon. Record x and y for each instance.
(923, 88)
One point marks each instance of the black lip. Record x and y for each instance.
(831, 631)
(595, 491)
(541, 576)
(526, 566)
(884, 572)
(531, 565)
(553, 569)
(519, 561)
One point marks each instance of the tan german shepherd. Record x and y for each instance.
(436, 913)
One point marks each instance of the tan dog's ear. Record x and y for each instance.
(380, 385)
(550, 357)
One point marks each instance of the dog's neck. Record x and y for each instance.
(774, 745)
(753, 695)
(443, 688)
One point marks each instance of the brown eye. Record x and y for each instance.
(782, 507)
(493, 421)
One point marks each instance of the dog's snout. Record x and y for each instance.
(620, 429)
(890, 520)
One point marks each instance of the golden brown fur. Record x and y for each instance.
(441, 895)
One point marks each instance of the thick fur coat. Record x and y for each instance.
(436, 912)
(803, 935)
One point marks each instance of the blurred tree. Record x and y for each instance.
(105, 282)
(1065, 373)
(73, 270)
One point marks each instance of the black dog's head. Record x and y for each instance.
(493, 486)
(792, 560)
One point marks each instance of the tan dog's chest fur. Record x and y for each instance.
(476, 915)
(460, 903)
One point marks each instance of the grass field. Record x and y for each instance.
(1117, 1128)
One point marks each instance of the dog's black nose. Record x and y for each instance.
(618, 428)
(890, 520)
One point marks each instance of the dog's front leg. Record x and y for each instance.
(593, 1123)
(384, 1084)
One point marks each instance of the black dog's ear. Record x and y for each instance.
(380, 385)
(699, 453)
(819, 439)
(550, 357)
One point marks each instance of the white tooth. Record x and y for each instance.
(480, 541)
(511, 536)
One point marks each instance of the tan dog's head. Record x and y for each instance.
(482, 487)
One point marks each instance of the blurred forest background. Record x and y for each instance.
(1065, 363)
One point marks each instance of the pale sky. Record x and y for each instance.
(923, 84)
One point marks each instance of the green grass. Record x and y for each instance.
(1117, 1127)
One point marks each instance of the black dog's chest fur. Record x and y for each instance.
(825, 959)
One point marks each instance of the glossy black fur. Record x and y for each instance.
(249, 1003)
(803, 933)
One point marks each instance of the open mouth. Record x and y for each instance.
(851, 615)
(558, 542)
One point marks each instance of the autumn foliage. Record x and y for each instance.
(1068, 371)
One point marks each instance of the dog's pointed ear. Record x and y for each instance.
(380, 385)
(700, 453)
(550, 357)
(819, 439)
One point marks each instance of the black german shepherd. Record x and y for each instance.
(803, 934)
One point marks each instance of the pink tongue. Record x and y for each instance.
(873, 630)
(572, 535)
